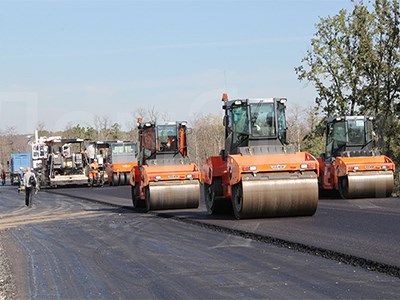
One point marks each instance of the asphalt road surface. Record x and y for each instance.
(367, 229)
(70, 248)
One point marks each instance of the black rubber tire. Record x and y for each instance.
(127, 177)
(237, 200)
(147, 197)
(344, 187)
(115, 179)
(215, 203)
(121, 178)
(136, 202)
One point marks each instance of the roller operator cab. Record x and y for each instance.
(258, 174)
(350, 163)
(164, 178)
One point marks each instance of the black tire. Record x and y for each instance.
(215, 203)
(115, 179)
(127, 178)
(344, 187)
(147, 197)
(136, 202)
(122, 179)
(237, 200)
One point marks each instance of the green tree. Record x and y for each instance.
(90, 133)
(79, 131)
(115, 132)
(354, 64)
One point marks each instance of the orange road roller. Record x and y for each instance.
(351, 164)
(164, 178)
(258, 174)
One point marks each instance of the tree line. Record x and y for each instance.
(206, 136)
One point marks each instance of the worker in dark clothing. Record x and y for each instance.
(3, 177)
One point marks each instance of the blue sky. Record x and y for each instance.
(68, 61)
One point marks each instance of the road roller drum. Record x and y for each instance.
(173, 195)
(373, 184)
(275, 198)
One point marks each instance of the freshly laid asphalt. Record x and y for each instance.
(70, 248)
(363, 228)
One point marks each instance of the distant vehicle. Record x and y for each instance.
(19, 162)
(123, 158)
(115, 158)
(351, 164)
(59, 162)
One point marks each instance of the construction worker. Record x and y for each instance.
(171, 142)
(168, 142)
(93, 172)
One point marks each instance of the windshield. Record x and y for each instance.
(369, 131)
(131, 148)
(339, 133)
(263, 120)
(348, 133)
(240, 120)
(167, 138)
(351, 133)
(356, 132)
(124, 148)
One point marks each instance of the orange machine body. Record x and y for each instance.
(117, 172)
(236, 166)
(343, 166)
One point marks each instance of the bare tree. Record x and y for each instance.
(146, 114)
(41, 128)
(12, 142)
(207, 138)
(102, 125)
(296, 122)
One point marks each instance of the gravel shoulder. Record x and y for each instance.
(8, 269)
